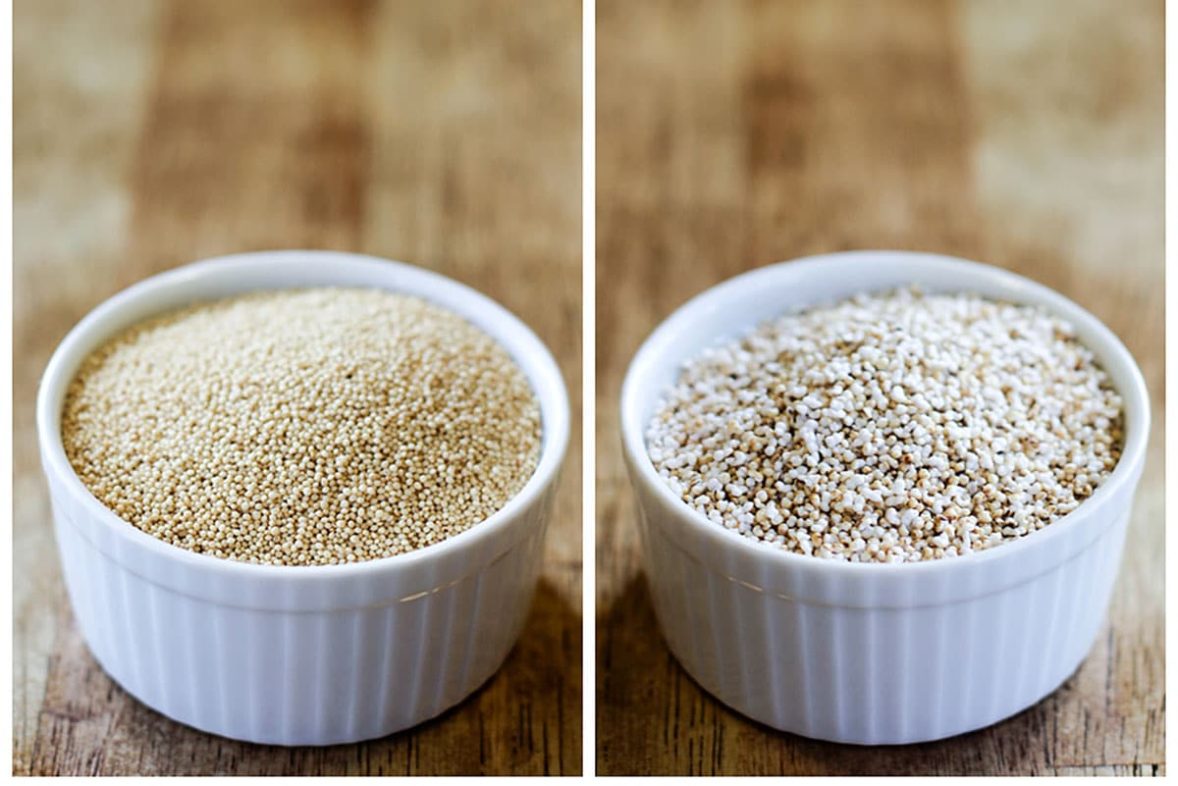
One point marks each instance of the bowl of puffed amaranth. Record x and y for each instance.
(874, 485)
(288, 486)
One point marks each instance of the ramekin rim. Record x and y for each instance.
(1131, 460)
(555, 415)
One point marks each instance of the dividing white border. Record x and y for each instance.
(588, 387)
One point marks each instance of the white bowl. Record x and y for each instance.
(299, 655)
(874, 653)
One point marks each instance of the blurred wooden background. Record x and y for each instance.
(149, 134)
(735, 134)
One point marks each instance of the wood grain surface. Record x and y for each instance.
(150, 134)
(735, 134)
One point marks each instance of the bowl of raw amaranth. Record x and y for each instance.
(300, 497)
(883, 495)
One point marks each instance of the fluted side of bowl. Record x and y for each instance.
(300, 677)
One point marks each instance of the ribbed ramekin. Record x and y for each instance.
(299, 655)
(874, 653)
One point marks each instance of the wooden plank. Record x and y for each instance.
(732, 135)
(286, 124)
(71, 214)
(1078, 194)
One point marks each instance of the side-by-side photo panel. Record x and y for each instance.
(880, 388)
(297, 388)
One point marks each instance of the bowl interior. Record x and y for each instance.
(737, 305)
(237, 274)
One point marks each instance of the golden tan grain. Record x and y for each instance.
(303, 427)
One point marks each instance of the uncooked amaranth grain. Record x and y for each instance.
(303, 427)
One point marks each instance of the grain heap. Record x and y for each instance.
(303, 427)
(890, 428)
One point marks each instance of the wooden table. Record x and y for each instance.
(152, 134)
(734, 134)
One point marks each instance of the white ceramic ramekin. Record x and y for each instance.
(871, 653)
(299, 655)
